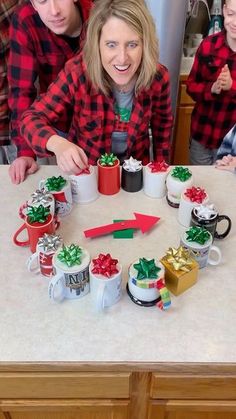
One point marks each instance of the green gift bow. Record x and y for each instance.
(70, 255)
(198, 234)
(181, 173)
(55, 183)
(38, 214)
(107, 159)
(146, 269)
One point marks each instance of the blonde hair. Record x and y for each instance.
(137, 16)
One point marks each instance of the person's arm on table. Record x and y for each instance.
(227, 163)
(39, 122)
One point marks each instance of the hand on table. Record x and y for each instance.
(226, 163)
(21, 167)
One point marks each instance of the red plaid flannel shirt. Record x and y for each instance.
(213, 115)
(7, 8)
(93, 118)
(36, 57)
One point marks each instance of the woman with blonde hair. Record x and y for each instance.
(114, 91)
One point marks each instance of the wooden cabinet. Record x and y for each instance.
(36, 395)
(180, 149)
(185, 396)
(128, 392)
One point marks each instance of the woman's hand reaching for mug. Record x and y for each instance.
(71, 159)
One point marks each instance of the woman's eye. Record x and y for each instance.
(111, 44)
(133, 44)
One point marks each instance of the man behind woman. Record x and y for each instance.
(44, 34)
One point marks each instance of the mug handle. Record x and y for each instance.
(17, 242)
(42, 183)
(223, 235)
(30, 262)
(56, 221)
(55, 282)
(217, 251)
(21, 210)
(100, 297)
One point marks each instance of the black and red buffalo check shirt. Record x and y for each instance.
(7, 8)
(36, 57)
(213, 115)
(93, 118)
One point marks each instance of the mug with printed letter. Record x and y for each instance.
(84, 186)
(105, 275)
(71, 281)
(37, 222)
(41, 260)
(207, 216)
(199, 241)
(108, 174)
(154, 179)
(60, 188)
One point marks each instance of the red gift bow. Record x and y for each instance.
(158, 166)
(195, 194)
(105, 265)
(84, 172)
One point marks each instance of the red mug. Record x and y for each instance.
(35, 231)
(109, 178)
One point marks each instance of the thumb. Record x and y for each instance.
(33, 168)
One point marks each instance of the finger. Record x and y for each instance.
(33, 168)
(12, 173)
(80, 159)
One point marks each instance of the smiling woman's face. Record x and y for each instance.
(121, 51)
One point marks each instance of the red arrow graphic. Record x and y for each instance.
(142, 221)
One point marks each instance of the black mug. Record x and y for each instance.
(211, 223)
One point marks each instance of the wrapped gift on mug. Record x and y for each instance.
(37, 222)
(190, 198)
(181, 270)
(108, 174)
(146, 284)
(178, 179)
(154, 179)
(39, 197)
(71, 264)
(105, 274)
(61, 190)
(132, 175)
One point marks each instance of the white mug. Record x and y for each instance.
(105, 291)
(84, 187)
(63, 198)
(175, 187)
(185, 208)
(70, 282)
(40, 262)
(149, 291)
(202, 253)
(154, 183)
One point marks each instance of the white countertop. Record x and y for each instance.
(199, 327)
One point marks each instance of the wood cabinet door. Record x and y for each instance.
(180, 154)
(95, 411)
(196, 409)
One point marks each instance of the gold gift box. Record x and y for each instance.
(179, 281)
